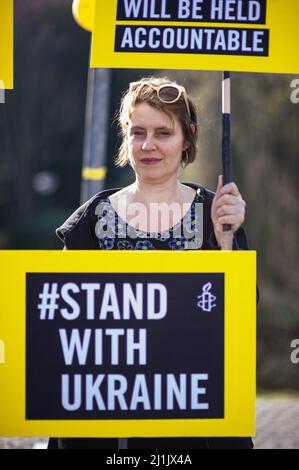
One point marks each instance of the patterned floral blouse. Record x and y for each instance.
(114, 233)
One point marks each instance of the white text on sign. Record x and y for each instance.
(250, 11)
(110, 305)
(196, 39)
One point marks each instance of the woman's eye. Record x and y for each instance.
(138, 134)
(163, 134)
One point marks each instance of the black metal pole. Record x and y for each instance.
(96, 132)
(227, 235)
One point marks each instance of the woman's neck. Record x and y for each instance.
(176, 196)
(148, 192)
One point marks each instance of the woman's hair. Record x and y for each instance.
(142, 92)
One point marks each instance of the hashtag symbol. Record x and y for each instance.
(48, 299)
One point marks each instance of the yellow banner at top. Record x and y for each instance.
(6, 44)
(235, 35)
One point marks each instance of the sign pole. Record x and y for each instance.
(227, 234)
(96, 131)
(97, 112)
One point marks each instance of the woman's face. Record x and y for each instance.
(155, 143)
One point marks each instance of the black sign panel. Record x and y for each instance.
(215, 11)
(192, 40)
(125, 346)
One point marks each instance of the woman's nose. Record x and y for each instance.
(149, 144)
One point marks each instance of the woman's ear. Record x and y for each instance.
(186, 142)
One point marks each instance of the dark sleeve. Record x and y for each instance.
(70, 223)
(78, 231)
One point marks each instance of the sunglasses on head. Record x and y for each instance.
(167, 93)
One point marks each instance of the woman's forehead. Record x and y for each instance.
(144, 115)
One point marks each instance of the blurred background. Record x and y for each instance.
(41, 148)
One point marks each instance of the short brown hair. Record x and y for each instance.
(146, 94)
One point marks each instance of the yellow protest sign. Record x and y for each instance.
(235, 35)
(122, 344)
(6, 44)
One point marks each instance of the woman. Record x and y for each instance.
(159, 129)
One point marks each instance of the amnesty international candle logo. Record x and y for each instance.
(117, 346)
(206, 301)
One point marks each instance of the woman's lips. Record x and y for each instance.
(150, 161)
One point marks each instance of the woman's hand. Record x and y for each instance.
(228, 207)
